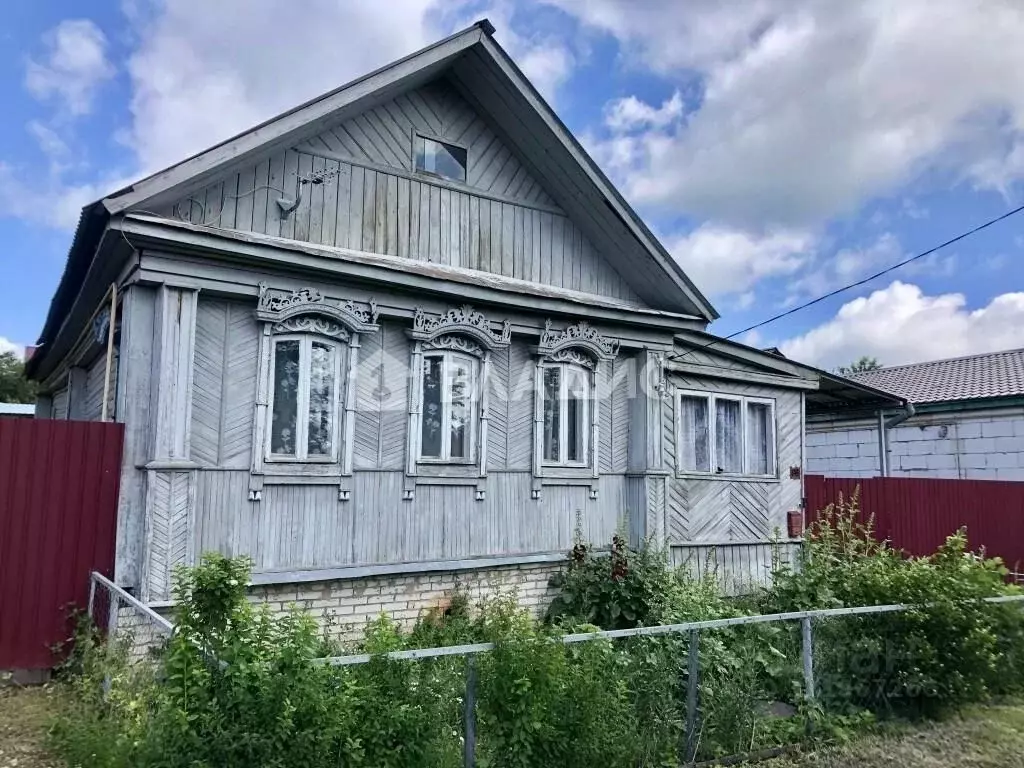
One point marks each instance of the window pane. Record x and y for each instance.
(576, 413)
(432, 408)
(460, 384)
(760, 458)
(728, 437)
(321, 399)
(445, 160)
(552, 414)
(286, 398)
(695, 453)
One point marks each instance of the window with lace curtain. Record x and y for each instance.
(305, 375)
(725, 434)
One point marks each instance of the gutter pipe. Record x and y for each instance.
(884, 425)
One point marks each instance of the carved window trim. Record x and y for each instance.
(582, 346)
(301, 314)
(458, 331)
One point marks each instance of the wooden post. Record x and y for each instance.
(692, 691)
(469, 714)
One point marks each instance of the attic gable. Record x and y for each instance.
(487, 80)
(384, 136)
(367, 198)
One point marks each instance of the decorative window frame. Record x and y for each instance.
(307, 312)
(582, 345)
(744, 402)
(468, 332)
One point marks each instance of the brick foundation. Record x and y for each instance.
(347, 605)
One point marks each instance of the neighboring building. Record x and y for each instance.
(17, 410)
(403, 335)
(969, 423)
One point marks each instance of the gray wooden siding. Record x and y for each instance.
(720, 510)
(382, 398)
(92, 407)
(738, 568)
(384, 136)
(224, 383)
(301, 526)
(371, 208)
(60, 404)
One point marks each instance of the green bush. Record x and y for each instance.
(951, 649)
(234, 687)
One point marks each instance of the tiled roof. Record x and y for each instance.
(996, 374)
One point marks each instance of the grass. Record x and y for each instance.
(982, 737)
(24, 717)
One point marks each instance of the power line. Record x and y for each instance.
(859, 283)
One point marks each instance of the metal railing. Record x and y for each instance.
(118, 612)
(692, 629)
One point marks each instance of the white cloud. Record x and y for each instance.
(847, 266)
(900, 324)
(6, 345)
(724, 261)
(74, 66)
(49, 200)
(202, 71)
(810, 108)
(630, 113)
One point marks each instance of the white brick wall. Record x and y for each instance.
(979, 445)
(347, 605)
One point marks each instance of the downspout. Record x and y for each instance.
(884, 425)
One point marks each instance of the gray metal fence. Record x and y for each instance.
(124, 617)
(692, 630)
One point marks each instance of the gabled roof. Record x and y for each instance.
(974, 377)
(490, 81)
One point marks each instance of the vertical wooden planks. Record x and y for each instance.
(402, 239)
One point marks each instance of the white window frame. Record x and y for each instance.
(711, 398)
(563, 422)
(447, 357)
(301, 456)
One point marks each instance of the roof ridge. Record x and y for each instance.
(941, 360)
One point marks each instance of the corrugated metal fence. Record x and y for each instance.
(917, 514)
(59, 485)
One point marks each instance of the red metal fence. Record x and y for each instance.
(917, 514)
(59, 484)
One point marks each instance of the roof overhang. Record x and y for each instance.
(829, 393)
(455, 283)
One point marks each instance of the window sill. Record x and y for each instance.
(426, 470)
(302, 469)
(725, 477)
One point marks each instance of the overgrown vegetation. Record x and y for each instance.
(236, 687)
(14, 386)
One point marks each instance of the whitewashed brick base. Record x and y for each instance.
(347, 605)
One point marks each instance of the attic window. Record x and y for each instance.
(440, 159)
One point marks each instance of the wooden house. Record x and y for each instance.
(406, 335)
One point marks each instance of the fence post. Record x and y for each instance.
(808, 657)
(692, 682)
(92, 598)
(469, 714)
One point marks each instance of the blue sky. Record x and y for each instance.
(780, 148)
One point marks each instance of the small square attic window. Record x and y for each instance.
(440, 159)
